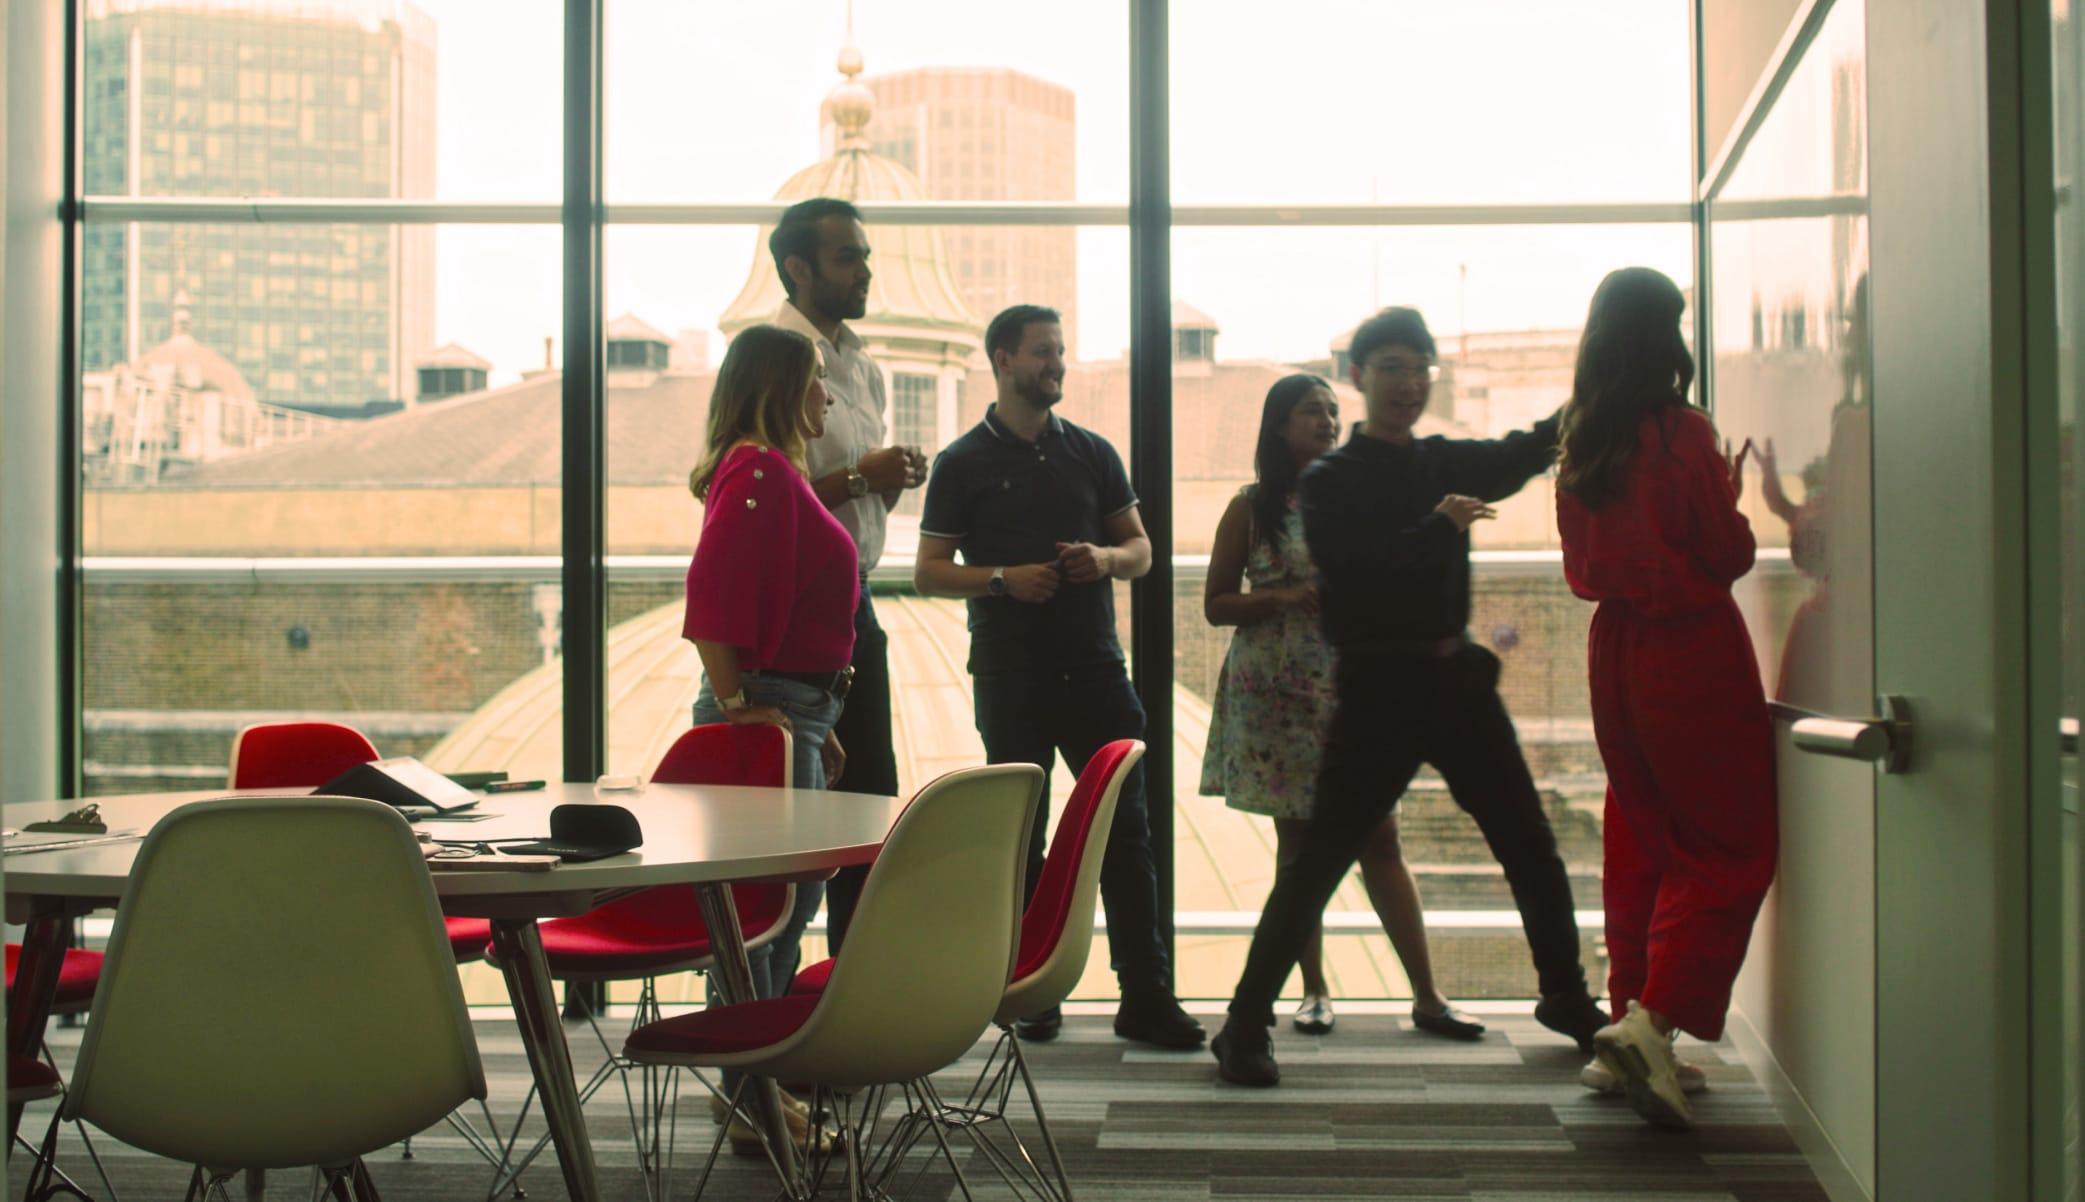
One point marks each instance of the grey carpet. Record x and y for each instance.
(1375, 1110)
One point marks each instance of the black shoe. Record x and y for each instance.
(1573, 1015)
(1040, 1028)
(1245, 1055)
(1155, 1017)
(1448, 1022)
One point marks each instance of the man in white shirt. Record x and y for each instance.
(822, 254)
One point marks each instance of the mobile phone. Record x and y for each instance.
(513, 786)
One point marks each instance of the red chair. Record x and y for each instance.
(657, 931)
(1056, 936)
(78, 974)
(32, 1080)
(296, 755)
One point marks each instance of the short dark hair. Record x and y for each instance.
(1004, 334)
(1396, 326)
(797, 233)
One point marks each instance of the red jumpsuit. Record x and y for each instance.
(1681, 720)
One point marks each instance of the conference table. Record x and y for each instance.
(707, 836)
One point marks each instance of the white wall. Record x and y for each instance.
(32, 45)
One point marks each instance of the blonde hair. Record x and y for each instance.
(759, 395)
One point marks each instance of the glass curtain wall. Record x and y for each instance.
(323, 322)
(1393, 157)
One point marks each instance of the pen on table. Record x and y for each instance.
(513, 786)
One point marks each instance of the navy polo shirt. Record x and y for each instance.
(1007, 501)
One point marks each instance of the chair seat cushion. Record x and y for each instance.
(77, 976)
(29, 1079)
(468, 938)
(721, 1030)
(812, 979)
(596, 945)
(652, 931)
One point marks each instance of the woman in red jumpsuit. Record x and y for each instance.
(1647, 504)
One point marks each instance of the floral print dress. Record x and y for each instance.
(1273, 696)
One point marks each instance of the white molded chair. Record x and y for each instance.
(1055, 938)
(923, 972)
(279, 992)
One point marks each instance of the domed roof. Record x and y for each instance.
(190, 364)
(913, 289)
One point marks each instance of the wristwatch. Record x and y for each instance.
(857, 484)
(996, 586)
(737, 701)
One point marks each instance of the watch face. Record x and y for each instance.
(997, 586)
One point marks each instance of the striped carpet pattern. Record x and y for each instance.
(1374, 1110)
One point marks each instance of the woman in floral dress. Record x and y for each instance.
(1274, 695)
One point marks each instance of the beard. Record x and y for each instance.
(1037, 394)
(841, 301)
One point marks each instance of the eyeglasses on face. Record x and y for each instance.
(1409, 371)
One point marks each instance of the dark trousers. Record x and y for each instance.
(1031, 718)
(1393, 715)
(872, 763)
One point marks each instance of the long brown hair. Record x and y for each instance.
(1273, 464)
(759, 393)
(1632, 362)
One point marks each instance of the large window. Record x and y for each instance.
(324, 380)
(1306, 204)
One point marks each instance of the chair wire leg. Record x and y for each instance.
(46, 1179)
(717, 1145)
(1008, 1166)
(1042, 1122)
(80, 1126)
(364, 1188)
(857, 1184)
(501, 1176)
(94, 1158)
(947, 1153)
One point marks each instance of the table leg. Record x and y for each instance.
(734, 978)
(519, 949)
(35, 990)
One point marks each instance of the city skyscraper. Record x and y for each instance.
(985, 134)
(327, 99)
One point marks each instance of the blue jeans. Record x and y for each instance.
(812, 712)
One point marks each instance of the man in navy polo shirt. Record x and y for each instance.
(1044, 516)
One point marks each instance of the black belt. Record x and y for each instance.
(836, 683)
(1440, 648)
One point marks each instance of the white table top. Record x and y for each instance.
(692, 834)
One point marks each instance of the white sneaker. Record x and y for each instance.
(1314, 1016)
(1641, 1057)
(1602, 1080)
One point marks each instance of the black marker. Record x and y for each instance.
(513, 786)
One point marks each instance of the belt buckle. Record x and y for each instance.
(843, 683)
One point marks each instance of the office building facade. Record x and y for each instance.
(324, 100)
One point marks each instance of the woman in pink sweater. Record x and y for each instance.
(772, 589)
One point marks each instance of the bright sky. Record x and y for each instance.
(1401, 101)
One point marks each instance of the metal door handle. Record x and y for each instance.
(1885, 740)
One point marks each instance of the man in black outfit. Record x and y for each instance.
(1043, 515)
(1387, 518)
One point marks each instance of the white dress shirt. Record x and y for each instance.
(853, 426)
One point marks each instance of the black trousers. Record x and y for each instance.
(864, 729)
(1031, 718)
(1393, 715)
